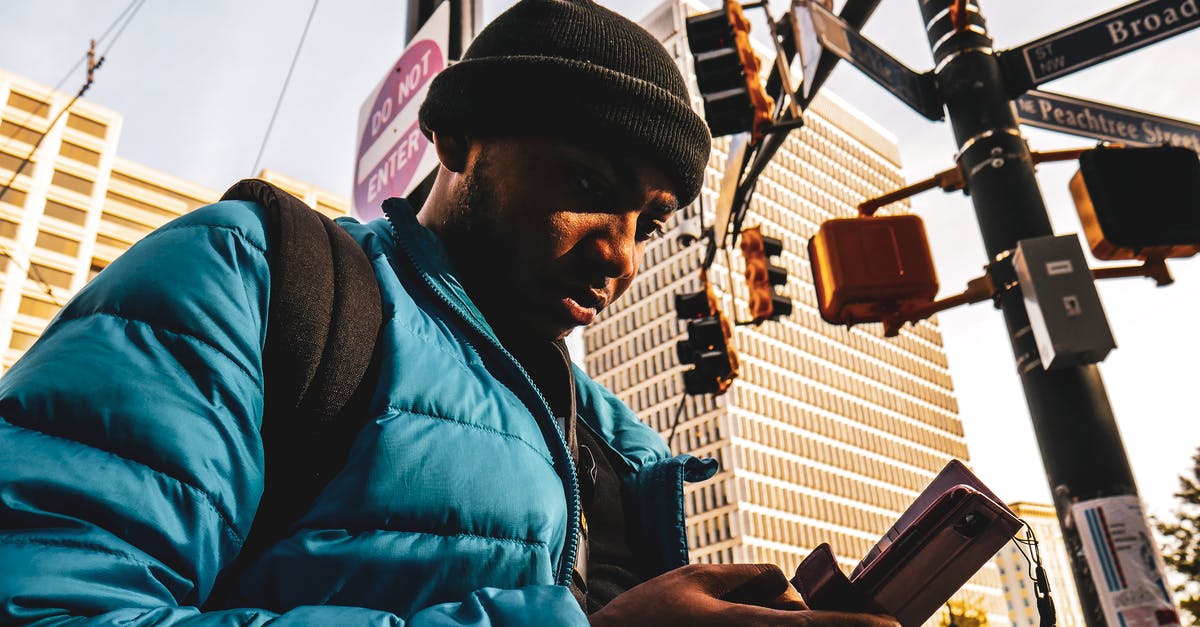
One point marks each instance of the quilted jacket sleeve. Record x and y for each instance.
(130, 460)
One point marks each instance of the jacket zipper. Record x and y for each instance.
(571, 483)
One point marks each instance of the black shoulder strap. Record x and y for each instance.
(323, 321)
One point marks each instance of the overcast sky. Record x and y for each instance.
(197, 81)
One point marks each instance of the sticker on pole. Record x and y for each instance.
(393, 155)
(1125, 563)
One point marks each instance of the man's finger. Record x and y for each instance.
(790, 600)
(762, 583)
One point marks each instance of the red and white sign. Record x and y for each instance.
(393, 155)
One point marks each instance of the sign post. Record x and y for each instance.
(1080, 444)
(393, 155)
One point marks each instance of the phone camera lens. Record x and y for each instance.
(971, 525)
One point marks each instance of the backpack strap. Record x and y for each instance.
(323, 322)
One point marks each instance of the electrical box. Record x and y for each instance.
(866, 267)
(1139, 203)
(1064, 309)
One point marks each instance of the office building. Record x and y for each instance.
(828, 433)
(77, 204)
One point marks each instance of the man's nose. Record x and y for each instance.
(614, 245)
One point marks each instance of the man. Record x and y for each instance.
(130, 457)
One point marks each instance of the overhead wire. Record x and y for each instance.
(82, 59)
(283, 90)
(93, 64)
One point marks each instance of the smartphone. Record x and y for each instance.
(915, 569)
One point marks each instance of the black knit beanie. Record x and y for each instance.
(574, 70)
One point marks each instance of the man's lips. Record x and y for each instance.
(582, 304)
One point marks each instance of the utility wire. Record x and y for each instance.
(283, 91)
(134, 6)
(93, 64)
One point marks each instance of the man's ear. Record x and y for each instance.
(451, 150)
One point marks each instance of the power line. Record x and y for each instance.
(134, 6)
(93, 64)
(288, 79)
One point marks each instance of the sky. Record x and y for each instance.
(197, 82)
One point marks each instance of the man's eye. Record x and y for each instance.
(589, 185)
(651, 230)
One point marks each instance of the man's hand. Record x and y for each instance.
(699, 595)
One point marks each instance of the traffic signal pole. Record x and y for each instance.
(1081, 448)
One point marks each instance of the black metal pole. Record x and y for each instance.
(1081, 448)
(466, 18)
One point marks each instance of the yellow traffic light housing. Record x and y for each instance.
(728, 72)
(762, 276)
(1139, 203)
(869, 269)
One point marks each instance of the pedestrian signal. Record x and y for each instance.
(727, 72)
(1139, 203)
(762, 276)
(868, 268)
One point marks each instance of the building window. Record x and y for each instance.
(80, 154)
(12, 162)
(87, 125)
(28, 104)
(37, 308)
(20, 133)
(65, 213)
(57, 243)
(8, 228)
(22, 340)
(97, 266)
(52, 276)
(77, 184)
(14, 197)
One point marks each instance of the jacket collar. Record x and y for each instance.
(430, 258)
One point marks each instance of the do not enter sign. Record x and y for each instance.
(393, 155)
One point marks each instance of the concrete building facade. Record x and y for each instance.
(828, 433)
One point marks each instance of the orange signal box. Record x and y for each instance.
(865, 268)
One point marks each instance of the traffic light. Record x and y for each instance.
(707, 346)
(727, 72)
(762, 276)
(865, 268)
(1139, 203)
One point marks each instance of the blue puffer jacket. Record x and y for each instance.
(131, 463)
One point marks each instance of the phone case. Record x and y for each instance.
(947, 535)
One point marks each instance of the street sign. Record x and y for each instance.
(1104, 121)
(807, 42)
(393, 155)
(1103, 37)
(916, 90)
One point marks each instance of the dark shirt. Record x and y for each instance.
(606, 565)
